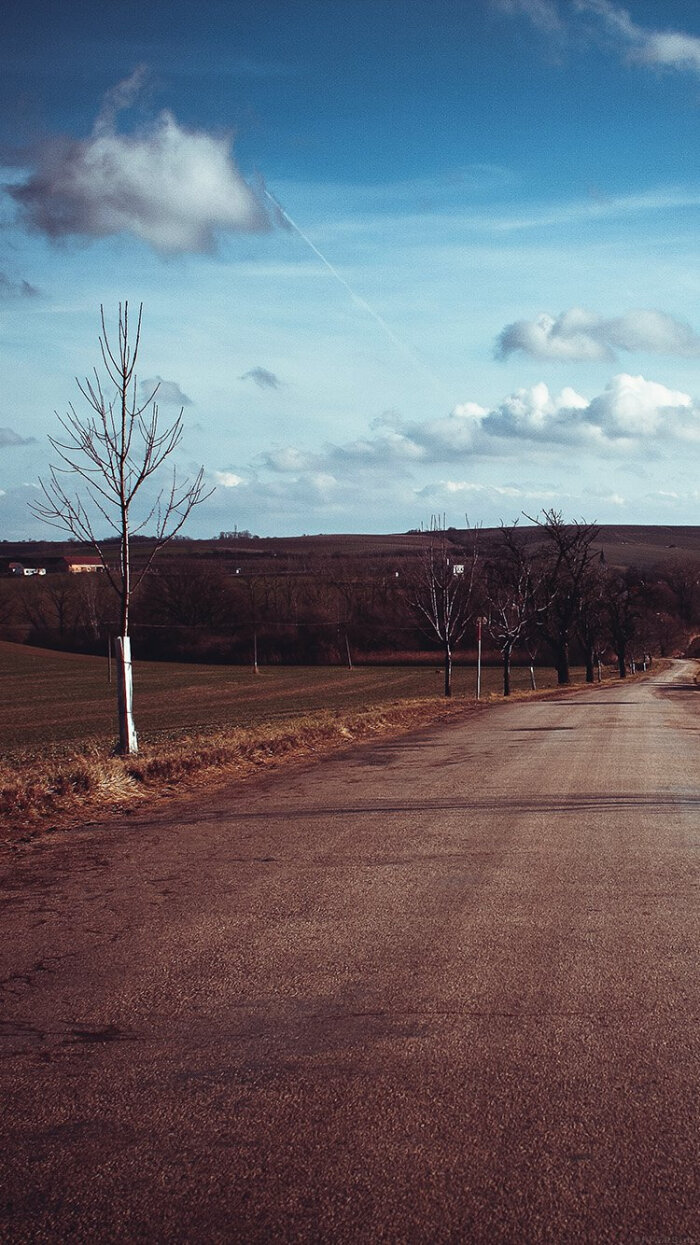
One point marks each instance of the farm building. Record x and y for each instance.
(83, 565)
(18, 568)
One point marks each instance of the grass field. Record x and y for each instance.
(64, 698)
(197, 725)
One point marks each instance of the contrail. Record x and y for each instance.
(360, 302)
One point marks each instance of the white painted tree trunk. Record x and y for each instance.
(128, 743)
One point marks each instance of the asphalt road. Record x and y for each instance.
(438, 989)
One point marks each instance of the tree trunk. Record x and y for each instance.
(448, 670)
(621, 664)
(125, 568)
(128, 743)
(563, 662)
(590, 674)
(506, 671)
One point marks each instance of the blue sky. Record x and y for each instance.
(505, 194)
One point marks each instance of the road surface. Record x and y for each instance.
(438, 989)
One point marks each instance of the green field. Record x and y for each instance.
(52, 698)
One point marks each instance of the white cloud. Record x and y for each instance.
(286, 461)
(632, 415)
(578, 335)
(469, 410)
(174, 188)
(167, 392)
(534, 414)
(667, 49)
(634, 407)
(493, 492)
(568, 337)
(536, 447)
(227, 479)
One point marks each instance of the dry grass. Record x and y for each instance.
(223, 724)
(69, 787)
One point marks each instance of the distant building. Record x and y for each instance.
(83, 565)
(18, 568)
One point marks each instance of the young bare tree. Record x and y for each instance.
(114, 449)
(513, 583)
(439, 591)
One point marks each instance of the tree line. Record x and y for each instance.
(544, 594)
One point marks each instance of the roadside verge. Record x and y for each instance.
(41, 794)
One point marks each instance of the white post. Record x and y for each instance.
(533, 681)
(478, 660)
(128, 743)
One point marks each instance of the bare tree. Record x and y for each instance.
(569, 554)
(515, 596)
(683, 578)
(622, 606)
(115, 448)
(590, 621)
(439, 591)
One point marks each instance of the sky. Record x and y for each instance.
(397, 258)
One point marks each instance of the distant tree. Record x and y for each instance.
(514, 594)
(186, 592)
(114, 449)
(590, 615)
(622, 604)
(683, 579)
(439, 590)
(569, 554)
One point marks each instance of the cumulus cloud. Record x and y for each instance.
(287, 461)
(8, 438)
(634, 407)
(536, 447)
(579, 336)
(262, 378)
(175, 188)
(167, 392)
(228, 479)
(631, 413)
(449, 490)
